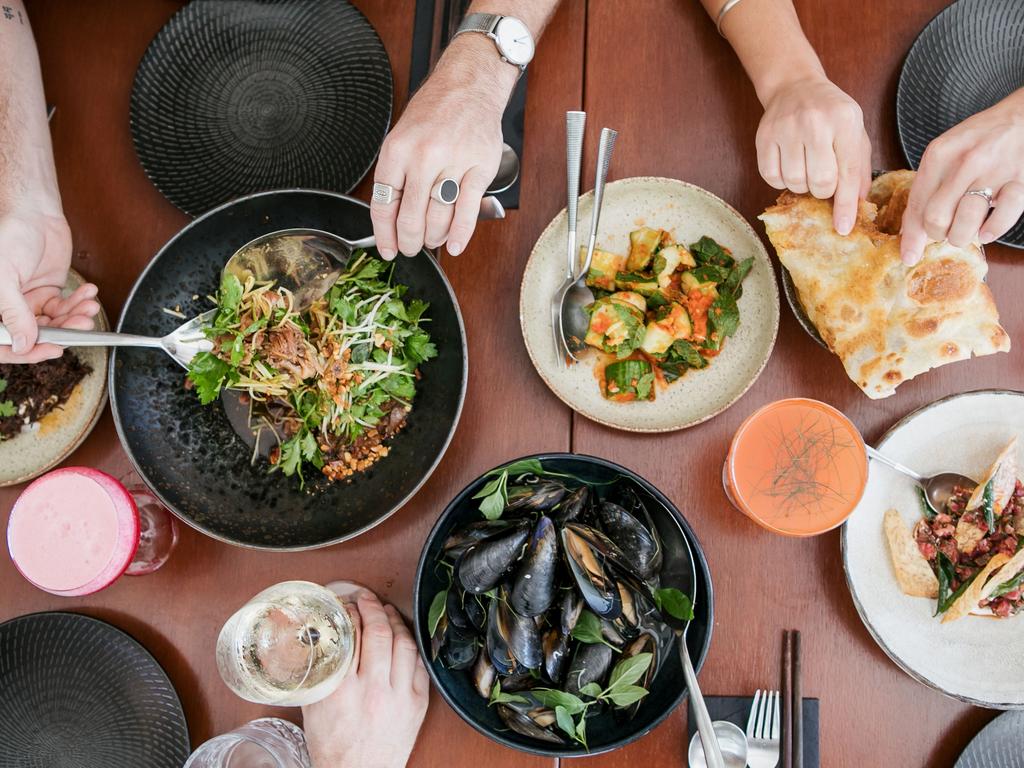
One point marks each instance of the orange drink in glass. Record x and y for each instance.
(796, 467)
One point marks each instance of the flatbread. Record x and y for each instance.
(1013, 566)
(914, 574)
(1003, 475)
(968, 601)
(887, 322)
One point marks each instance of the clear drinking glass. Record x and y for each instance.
(265, 743)
(291, 645)
(158, 533)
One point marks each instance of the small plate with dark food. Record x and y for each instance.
(550, 598)
(48, 409)
(300, 428)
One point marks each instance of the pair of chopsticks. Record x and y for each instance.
(792, 702)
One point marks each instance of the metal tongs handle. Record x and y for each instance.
(604, 159)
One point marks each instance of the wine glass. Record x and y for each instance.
(265, 743)
(291, 645)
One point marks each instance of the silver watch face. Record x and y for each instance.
(514, 41)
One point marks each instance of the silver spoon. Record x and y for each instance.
(575, 122)
(938, 488)
(572, 320)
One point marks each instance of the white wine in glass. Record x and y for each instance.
(291, 645)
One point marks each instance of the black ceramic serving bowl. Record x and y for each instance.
(189, 454)
(685, 568)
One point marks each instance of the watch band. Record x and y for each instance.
(486, 23)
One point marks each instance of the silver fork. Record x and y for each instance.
(764, 730)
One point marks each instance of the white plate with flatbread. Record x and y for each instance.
(976, 659)
(47, 443)
(688, 213)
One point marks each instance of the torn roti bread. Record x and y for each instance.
(887, 322)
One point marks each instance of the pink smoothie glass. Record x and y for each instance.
(75, 531)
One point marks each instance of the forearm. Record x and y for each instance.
(26, 157)
(471, 63)
(769, 42)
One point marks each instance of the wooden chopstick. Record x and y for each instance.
(798, 705)
(787, 701)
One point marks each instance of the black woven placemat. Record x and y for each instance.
(239, 97)
(736, 709)
(968, 57)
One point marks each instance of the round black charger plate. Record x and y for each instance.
(968, 57)
(685, 568)
(1000, 744)
(76, 692)
(189, 455)
(239, 97)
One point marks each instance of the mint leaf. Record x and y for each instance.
(732, 284)
(673, 602)
(724, 315)
(644, 385)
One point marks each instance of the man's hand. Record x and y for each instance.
(35, 252)
(812, 139)
(373, 718)
(986, 150)
(451, 128)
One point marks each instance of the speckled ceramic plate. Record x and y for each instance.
(688, 212)
(62, 430)
(976, 659)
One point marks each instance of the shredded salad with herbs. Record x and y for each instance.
(332, 382)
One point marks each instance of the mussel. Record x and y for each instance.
(464, 611)
(595, 583)
(484, 564)
(536, 497)
(514, 638)
(463, 538)
(571, 506)
(590, 664)
(484, 675)
(460, 649)
(657, 640)
(556, 655)
(641, 546)
(531, 719)
(533, 589)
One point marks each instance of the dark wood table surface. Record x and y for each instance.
(659, 74)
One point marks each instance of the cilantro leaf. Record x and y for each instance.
(400, 386)
(209, 374)
(7, 409)
(419, 348)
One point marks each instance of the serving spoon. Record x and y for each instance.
(573, 321)
(937, 488)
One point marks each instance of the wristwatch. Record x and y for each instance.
(511, 37)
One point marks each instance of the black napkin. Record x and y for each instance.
(736, 709)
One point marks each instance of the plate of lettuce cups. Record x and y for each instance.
(685, 310)
(941, 590)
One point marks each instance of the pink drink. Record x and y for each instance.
(73, 531)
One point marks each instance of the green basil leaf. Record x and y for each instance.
(500, 697)
(492, 506)
(628, 671)
(489, 488)
(581, 731)
(565, 721)
(593, 690)
(552, 698)
(523, 467)
(436, 610)
(674, 603)
(588, 630)
(927, 509)
(627, 695)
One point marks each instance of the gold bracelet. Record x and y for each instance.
(729, 5)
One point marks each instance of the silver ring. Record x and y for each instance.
(446, 191)
(985, 192)
(385, 194)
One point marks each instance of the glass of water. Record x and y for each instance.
(291, 645)
(265, 743)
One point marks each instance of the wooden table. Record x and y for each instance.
(661, 76)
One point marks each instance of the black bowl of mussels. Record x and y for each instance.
(551, 599)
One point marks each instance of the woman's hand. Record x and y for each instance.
(451, 128)
(812, 139)
(35, 252)
(984, 151)
(373, 718)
